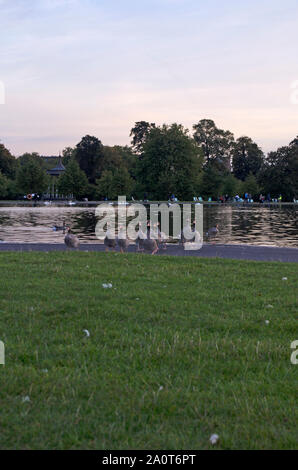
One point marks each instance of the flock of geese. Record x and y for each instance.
(149, 242)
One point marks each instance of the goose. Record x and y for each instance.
(70, 240)
(150, 244)
(140, 239)
(123, 242)
(196, 244)
(161, 237)
(186, 231)
(57, 228)
(212, 232)
(110, 240)
(144, 242)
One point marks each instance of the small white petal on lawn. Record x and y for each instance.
(26, 399)
(284, 278)
(107, 286)
(267, 322)
(214, 438)
(87, 333)
(269, 306)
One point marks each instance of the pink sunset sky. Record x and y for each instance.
(76, 67)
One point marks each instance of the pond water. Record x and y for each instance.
(254, 225)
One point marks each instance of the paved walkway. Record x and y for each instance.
(247, 252)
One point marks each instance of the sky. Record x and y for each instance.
(74, 67)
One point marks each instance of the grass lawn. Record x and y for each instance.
(179, 349)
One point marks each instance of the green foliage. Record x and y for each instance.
(73, 181)
(3, 185)
(215, 143)
(139, 134)
(211, 182)
(170, 163)
(68, 154)
(280, 172)
(247, 158)
(31, 176)
(231, 185)
(8, 163)
(165, 160)
(251, 186)
(89, 154)
(115, 183)
(27, 158)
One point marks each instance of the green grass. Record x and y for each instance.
(195, 327)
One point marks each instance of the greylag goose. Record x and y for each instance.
(185, 232)
(212, 232)
(140, 239)
(109, 241)
(70, 240)
(150, 244)
(195, 244)
(161, 237)
(57, 228)
(122, 241)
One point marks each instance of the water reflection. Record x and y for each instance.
(275, 226)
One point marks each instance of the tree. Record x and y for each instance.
(170, 163)
(89, 155)
(247, 158)
(68, 154)
(8, 163)
(27, 157)
(128, 158)
(215, 143)
(211, 182)
(280, 172)
(73, 181)
(251, 186)
(31, 177)
(114, 183)
(231, 185)
(3, 185)
(139, 134)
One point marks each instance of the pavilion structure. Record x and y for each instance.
(54, 174)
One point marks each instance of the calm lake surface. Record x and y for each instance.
(254, 225)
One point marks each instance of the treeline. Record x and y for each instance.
(161, 161)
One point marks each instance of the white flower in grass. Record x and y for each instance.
(269, 306)
(44, 370)
(214, 438)
(160, 388)
(267, 322)
(26, 399)
(87, 333)
(107, 286)
(284, 278)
